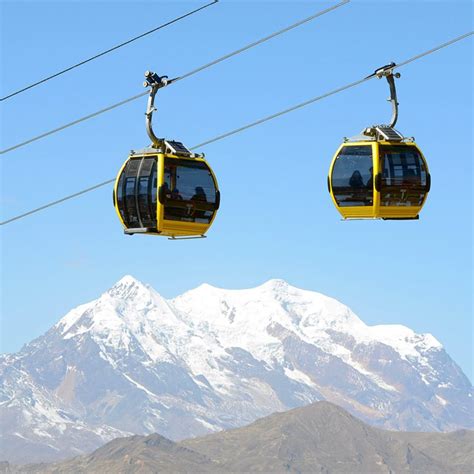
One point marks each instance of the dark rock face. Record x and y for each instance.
(317, 438)
(131, 362)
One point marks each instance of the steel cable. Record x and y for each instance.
(103, 53)
(184, 76)
(252, 124)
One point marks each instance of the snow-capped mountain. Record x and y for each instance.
(211, 359)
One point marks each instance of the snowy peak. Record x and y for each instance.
(128, 317)
(213, 359)
(246, 315)
(404, 340)
(276, 285)
(272, 302)
(129, 287)
(250, 316)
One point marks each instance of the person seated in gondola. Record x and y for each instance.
(171, 212)
(176, 195)
(200, 196)
(356, 180)
(166, 191)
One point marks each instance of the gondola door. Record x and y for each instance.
(188, 196)
(404, 181)
(351, 179)
(136, 194)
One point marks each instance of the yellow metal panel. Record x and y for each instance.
(179, 228)
(115, 192)
(398, 212)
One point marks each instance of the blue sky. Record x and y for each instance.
(276, 218)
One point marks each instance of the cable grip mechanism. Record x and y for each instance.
(155, 82)
(387, 72)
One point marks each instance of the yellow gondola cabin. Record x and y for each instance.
(165, 189)
(172, 194)
(379, 174)
(379, 179)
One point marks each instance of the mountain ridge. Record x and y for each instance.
(320, 437)
(132, 361)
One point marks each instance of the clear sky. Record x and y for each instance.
(276, 218)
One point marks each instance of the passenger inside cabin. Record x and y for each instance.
(356, 180)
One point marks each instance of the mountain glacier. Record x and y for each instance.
(211, 359)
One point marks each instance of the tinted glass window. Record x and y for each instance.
(352, 180)
(191, 191)
(119, 192)
(404, 176)
(130, 202)
(136, 193)
(146, 193)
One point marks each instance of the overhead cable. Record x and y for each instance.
(263, 40)
(250, 125)
(103, 53)
(327, 94)
(184, 76)
(59, 201)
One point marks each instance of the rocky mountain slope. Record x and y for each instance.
(132, 362)
(317, 438)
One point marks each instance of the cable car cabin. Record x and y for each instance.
(167, 194)
(379, 177)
